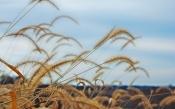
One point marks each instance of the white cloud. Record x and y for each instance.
(157, 10)
(141, 10)
(14, 50)
(156, 44)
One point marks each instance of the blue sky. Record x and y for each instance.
(153, 20)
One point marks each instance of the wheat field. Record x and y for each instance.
(43, 62)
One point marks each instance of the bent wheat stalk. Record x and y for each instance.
(12, 68)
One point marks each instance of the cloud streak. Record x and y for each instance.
(154, 44)
(157, 10)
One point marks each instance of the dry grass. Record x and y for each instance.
(25, 93)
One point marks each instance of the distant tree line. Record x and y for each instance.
(6, 79)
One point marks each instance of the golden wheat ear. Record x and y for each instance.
(166, 101)
(139, 68)
(50, 35)
(59, 45)
(12, 68)
(48, 1)
(28, 38)
(119, 59)
(116, 81)
(168, 89)
(134, 80)
(70, 38)
(41, 50)
(54, 20)
(97, 76)
(104, 39)
(130, 41)
(62, 37)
